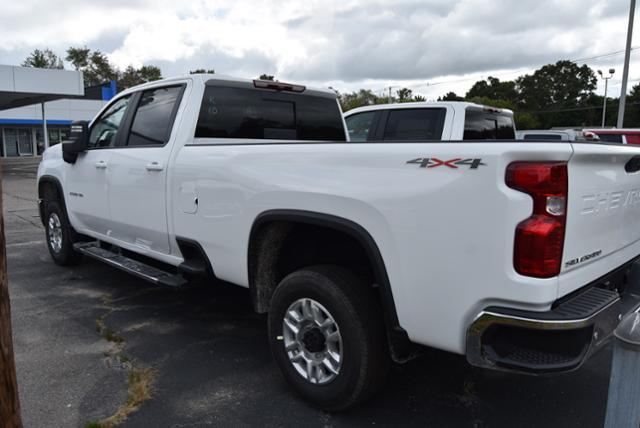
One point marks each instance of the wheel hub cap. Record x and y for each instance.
(55, 232)
(312, 341)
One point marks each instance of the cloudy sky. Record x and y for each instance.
(431, 46)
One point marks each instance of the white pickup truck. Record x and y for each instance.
(431, 121)
(519, 255)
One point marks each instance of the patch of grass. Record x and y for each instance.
(140, 390)
(108, 334)
(112, 336)
(93, 424)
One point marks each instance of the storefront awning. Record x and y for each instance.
(22, 86)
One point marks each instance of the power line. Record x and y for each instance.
(444, 82)
(560, 110)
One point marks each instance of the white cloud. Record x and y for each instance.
(344, 43)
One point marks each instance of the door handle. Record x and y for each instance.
(154, 166)
(101, 165)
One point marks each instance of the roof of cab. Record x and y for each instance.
(205, 77)
(456, 105)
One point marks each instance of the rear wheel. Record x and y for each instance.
(59, 235)
(327, 336)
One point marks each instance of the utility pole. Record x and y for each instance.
(9, 403)
(606, 82)
(625, 71)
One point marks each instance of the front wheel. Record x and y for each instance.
(59, 235)
(327, 336)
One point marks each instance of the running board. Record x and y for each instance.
(139, 269)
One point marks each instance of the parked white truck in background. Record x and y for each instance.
(519, 255)
(444, 121)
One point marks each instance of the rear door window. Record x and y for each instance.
(359, 126)
(154, 116)
(229, 112)
(415, 124)
(481, 124)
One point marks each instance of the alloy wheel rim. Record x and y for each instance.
(312, 341)
(55, 232)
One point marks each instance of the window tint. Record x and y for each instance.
(487, 125)
(611, 138)
(258, 114)
(104, 130)
(359, 125)
(543, 137)
(154, 116)
(415, 124)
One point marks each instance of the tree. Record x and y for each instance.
(450, 96)
(632, 107)
(132, 76)
(405, 95)
(99, 69)
(202, 71)
(526, 121)
(486, 101)
(78, 57)
(9, 402)
(494, 89)
(363, 97)
(560, 94)
(265, 77)
(43, 59)
(563, 84)
(95, 65)
(417, 98)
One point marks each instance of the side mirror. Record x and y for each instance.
(78, 141)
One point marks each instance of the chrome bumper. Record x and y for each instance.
(560, 339)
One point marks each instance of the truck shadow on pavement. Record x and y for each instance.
(214, 367)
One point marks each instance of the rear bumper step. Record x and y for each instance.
(139, 269)
(560, 339)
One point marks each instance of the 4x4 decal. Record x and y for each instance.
(451, 163)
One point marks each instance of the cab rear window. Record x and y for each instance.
(242, 113)
(482, 124)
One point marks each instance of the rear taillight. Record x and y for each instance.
(540, 238)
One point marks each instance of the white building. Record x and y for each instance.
(23, 93)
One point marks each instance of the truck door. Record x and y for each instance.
(137, 173)
(86, 194)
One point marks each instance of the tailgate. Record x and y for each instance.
(603, 212)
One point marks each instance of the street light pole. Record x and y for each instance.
(606, 84)
(625, 71)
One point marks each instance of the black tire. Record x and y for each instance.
(357, 312)
(62, 253)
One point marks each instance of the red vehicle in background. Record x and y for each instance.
(624, 136)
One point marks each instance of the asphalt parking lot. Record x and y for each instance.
(79, 332)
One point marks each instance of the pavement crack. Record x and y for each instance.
(139, 379)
